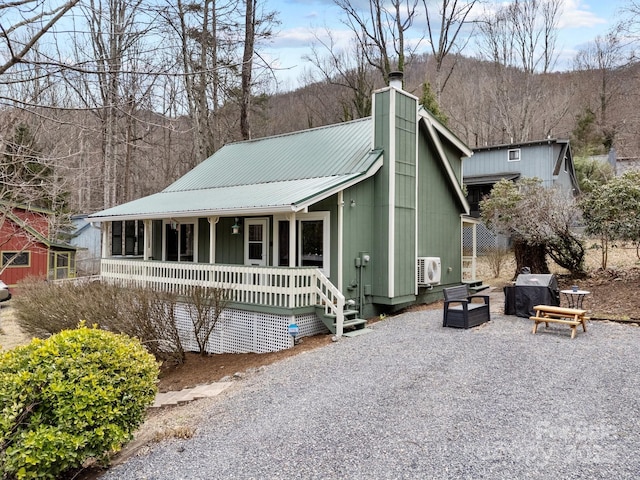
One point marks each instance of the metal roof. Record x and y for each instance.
(504, 146)
(490, 179)
(319, 152)
(273, 174)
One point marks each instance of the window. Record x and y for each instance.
(61, 265)
(16, 259)
(311, 243)
(180, 243)
(514, 155)
(127, 238)
(312, 237)
(116, 238)
(187, 237)
(283, 243)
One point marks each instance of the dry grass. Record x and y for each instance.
(10, 333)
(620, 258)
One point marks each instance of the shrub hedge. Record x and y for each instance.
(44, 308)
(77, 395)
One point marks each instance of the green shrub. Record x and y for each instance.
(79, 394)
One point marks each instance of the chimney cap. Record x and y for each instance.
(395, 79)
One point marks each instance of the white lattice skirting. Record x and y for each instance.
(241, 331)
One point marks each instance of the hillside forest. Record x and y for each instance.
(105, 101)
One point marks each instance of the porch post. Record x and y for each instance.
(475, 251)
(106, 239)
(292, 239)
(213, 221)
(148, 234)
(340, 236)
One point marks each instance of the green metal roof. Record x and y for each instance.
(280, 173)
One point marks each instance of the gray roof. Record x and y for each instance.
(490, 179)
(273, 174)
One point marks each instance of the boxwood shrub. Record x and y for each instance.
(77, 395)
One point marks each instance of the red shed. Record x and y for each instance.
(26, 249)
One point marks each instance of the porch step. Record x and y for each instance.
(352, 324)
(476, 286)
(356, 323)
(351, 320)
(355, 333)
(347, 314)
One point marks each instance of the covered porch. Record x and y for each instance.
(273, 290)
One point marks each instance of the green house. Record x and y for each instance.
(324, 227)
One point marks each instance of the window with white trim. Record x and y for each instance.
(312, 241)
(513, 155)
(180, 240)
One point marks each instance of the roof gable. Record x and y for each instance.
(437, 134)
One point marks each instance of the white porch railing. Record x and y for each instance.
(267, 286)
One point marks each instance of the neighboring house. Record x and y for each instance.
(26, 249)
(550, 160)
(343, 221)
(87, 238)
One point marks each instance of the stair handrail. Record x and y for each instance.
(331, 299)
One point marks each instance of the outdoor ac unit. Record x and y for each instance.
(428, 270)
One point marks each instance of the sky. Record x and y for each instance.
(581, 21)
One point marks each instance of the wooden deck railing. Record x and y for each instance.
(278, 287)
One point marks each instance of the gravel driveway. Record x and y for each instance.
(413, 400)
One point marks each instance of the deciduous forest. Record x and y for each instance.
(105, 101)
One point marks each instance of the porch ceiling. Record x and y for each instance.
(272, 197)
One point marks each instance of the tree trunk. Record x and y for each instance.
(247, 66)
(531, 256)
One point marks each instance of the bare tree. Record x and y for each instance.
(205, 307)
(603, 58)
(520, 40)
(247, 66)
(445, 37)
(257, 27)
(35, 17)
(347, 69)
(380, 32)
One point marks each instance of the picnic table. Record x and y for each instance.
(550, 314)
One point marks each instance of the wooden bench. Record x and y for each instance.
(567, 316)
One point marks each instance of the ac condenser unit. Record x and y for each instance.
(428, 270)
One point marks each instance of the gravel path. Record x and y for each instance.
(413, 400)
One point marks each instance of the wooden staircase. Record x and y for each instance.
(351, 321)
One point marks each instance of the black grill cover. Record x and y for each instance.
(531, 290)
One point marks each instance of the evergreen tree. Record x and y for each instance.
(429, 101)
